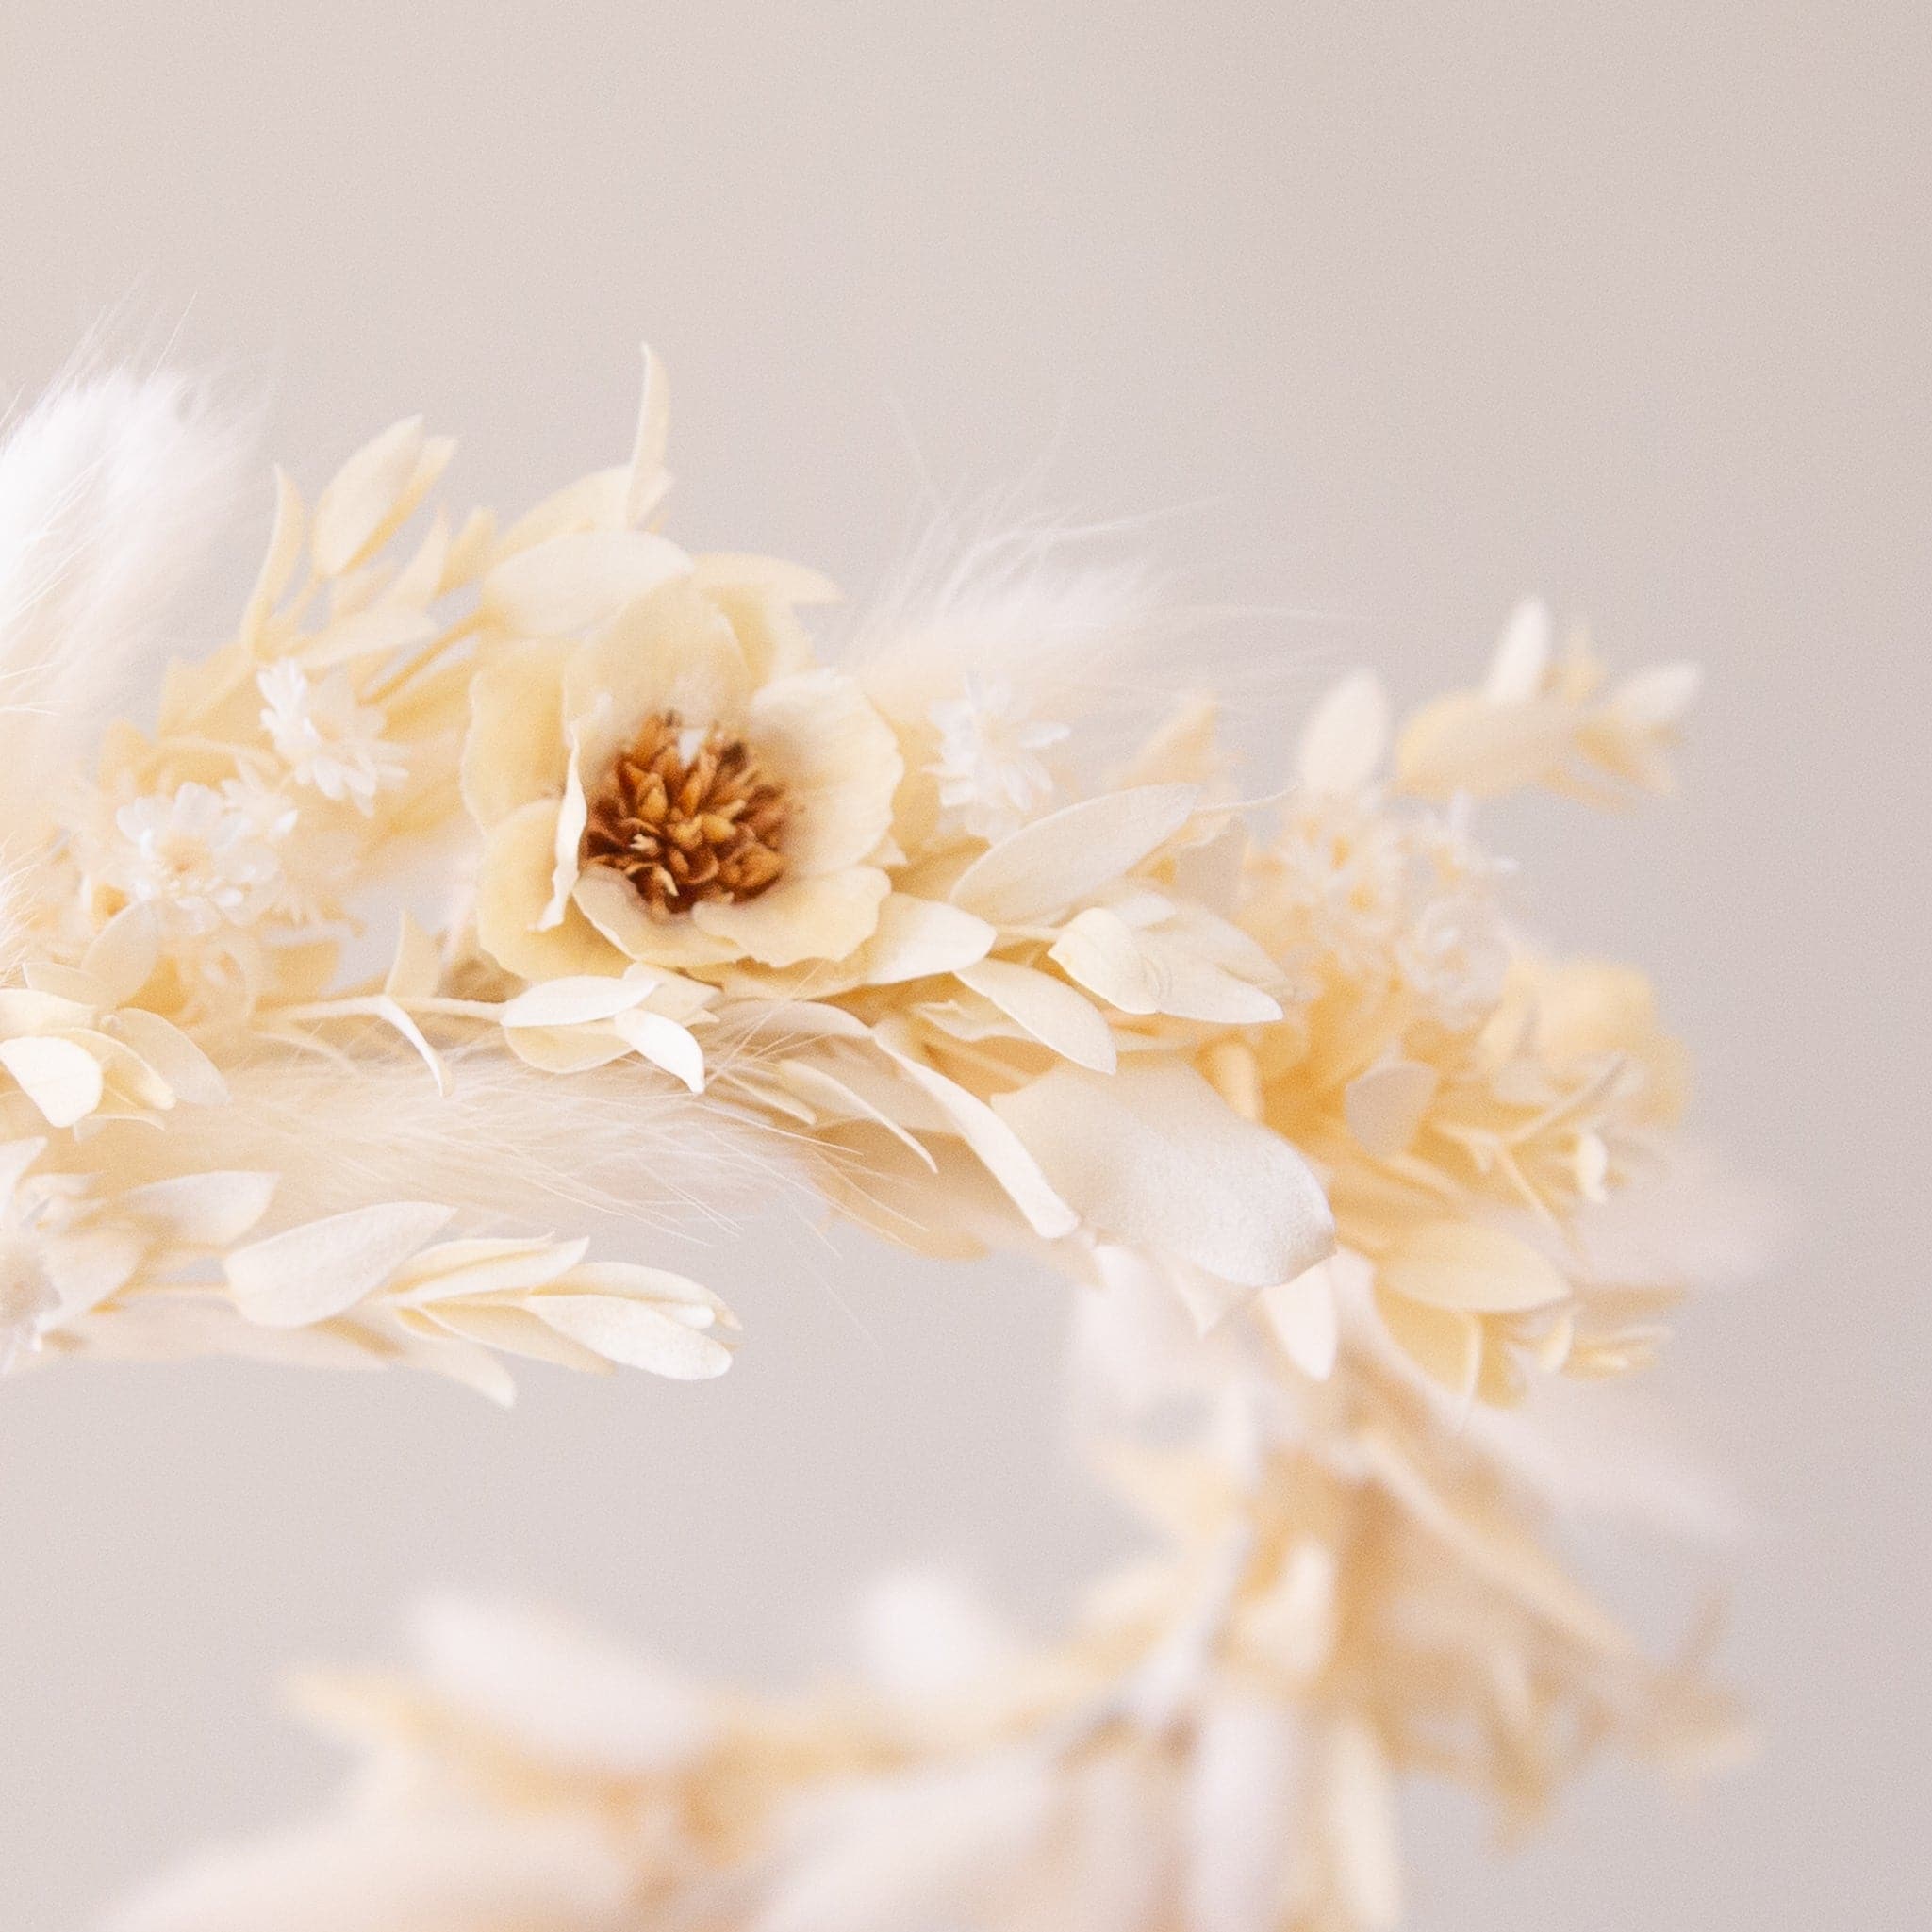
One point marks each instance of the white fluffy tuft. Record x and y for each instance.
(112, 489)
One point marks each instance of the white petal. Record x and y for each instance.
(1046, 866)
(1522, 654)
(360, 496)
(664, 1044)
(570, 583)
(1346, 736)
(635, 1333)
(1303, 1316)
(61, 1078)
(188, 1072)
(1153, 1156)
(1100, 950)
(1000, 1150)
(316, 1270)
(573, 999)
(208, 1210)
(1657, 698)
(917, 938)
(1049, 1008)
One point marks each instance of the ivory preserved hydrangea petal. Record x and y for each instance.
(1046, 866)
(308, 1273)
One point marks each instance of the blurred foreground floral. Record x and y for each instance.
(967, 936)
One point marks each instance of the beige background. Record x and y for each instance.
(1402, 314)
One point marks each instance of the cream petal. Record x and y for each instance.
(1051, 1010)
(61, 1077)
(1468, 1266)
(512, 888)
(917, 938)
(1345, 735)
(838, 762)
(800, 918)
(760, 595)
(1465, 742)
(309, 1273)
(1045, 867)
(573, 815)
(372, 492)
(1302, 1314)
(573, 582)
(515, 748)
(1152, 1156)
(1000, 1150)
(664, 1044)
(1098, 949)
(637, 1334)
(1521, 662)
(671, 651)
(611, 905)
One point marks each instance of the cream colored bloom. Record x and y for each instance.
(195, 857)
(326, 736)
(990, 776)
(671, 787)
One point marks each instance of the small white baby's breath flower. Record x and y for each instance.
(991, 780)
(327, 738)
(196, 857)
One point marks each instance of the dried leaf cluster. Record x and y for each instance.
(1321, 1143)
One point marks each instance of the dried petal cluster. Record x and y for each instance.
(1325, 1148)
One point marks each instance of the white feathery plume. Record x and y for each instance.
(510, 1148)
(112, 489)
(430, 1874)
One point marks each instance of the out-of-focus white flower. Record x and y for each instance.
(990, 778)
(328, 737)
(196, 857)
(26, 1295)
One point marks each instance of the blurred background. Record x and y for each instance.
(1377, 318)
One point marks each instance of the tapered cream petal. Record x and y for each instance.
(323, 1267)
(1049, 865)
(1051, 1010)
(512, 889)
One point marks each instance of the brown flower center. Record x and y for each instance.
(686, 817)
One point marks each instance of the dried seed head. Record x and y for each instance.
(686, 817)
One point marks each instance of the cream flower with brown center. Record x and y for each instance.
(679, 786)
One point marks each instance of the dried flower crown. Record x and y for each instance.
(1326, 1151)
